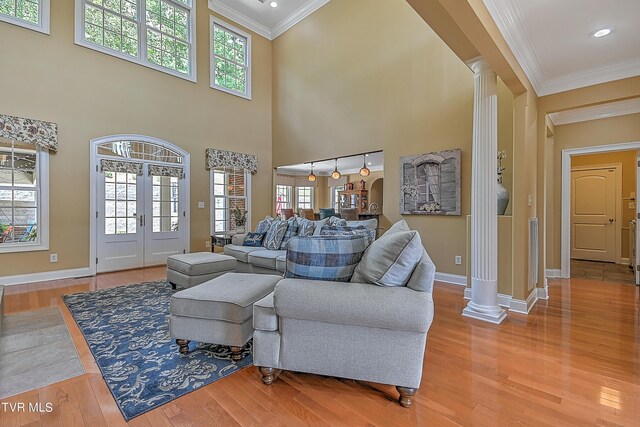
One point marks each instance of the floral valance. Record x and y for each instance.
(221, 158)
(29, 131)
(120, 166)
(161, 170)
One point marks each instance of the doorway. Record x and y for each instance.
(140, 199)
(590, 231)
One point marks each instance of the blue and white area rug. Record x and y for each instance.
(127, 331)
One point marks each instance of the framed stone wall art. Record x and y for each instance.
(430, 183)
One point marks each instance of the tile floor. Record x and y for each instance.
(603, 271)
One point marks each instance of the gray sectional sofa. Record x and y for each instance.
(264, 261)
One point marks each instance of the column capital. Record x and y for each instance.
(479, 65)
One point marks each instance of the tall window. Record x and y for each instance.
(230, 190)
(230, 59)
(32, 14)
(336, 196)
(23, 206)
(156, 33)
(283, 198)
(304, 198)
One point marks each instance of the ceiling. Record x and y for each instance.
(553, 40)
(346, 165)
(263, 19)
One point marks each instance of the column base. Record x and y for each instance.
(491, 314)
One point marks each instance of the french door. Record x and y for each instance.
(140, 217)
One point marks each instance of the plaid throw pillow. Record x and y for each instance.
(292, 230)
(264, 225)
(254, 239)
(329, 230)
(332, 258)
(275, 234)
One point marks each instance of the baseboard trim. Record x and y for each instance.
(454, 279)
(624, 261)
(524, 306)
(543, 293)
(20, 279)
(553, 273)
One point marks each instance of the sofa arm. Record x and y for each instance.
(356, 304)
(238, 239)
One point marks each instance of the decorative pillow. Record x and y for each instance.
(305, 227)
(329, 230)
(337, 222)
(292, 230)
(264, 225)
(332, 258)
(254, 239)
(275, 234)
(371, 224)
(391, 259)
(318, 225)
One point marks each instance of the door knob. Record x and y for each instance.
(610, 219)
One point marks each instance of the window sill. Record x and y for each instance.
(40, 28)
(231, 92)
(23, 248)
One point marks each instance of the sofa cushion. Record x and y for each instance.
(332, 258)
(199, 263)
(275, 235)
(292, 231)
(264, 225)
(229, 297)
(241, 252)
(371, 224)
(329, 230)
(391, 259)
(254, 239)
(281, 263)
(265, 258)
(327, 212)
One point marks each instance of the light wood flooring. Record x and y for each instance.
(574, 361)
(606, 272)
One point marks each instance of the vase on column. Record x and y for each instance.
(503, 193)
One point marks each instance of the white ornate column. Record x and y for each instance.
(484, 205)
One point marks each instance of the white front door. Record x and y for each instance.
(593, 214)
(140, 219)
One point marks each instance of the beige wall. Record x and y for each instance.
(354, 79)
(90, 94)
(586, 134)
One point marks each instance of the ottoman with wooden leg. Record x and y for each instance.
(219, 311)
(187, 270)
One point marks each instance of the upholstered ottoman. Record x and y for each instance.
(219, 311)
(187, 270)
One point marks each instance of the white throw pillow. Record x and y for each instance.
(391, 259)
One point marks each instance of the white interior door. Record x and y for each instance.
(140, 219)
(593, 214)
(120, 232)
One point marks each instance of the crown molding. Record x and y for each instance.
(297, 16)
(603, 111)
(239, 18)
(509, 18)
(591, 77)
(269, 33)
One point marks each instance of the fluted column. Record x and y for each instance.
(484, 205)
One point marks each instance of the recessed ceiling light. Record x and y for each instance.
(273, 4)
(601, 33)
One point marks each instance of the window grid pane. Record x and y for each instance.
(229, 193)
(25, 10)
(19, 194)
(304, 197)
(165, 24)
(165, 214)
(120, 203)
(283, 198)
(230, 59)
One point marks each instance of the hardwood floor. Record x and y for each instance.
(575, 360)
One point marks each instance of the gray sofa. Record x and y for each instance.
(356, 330)
(264, 261)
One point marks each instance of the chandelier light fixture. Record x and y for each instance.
(336, 174)
(364, 171)
(311, 176)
